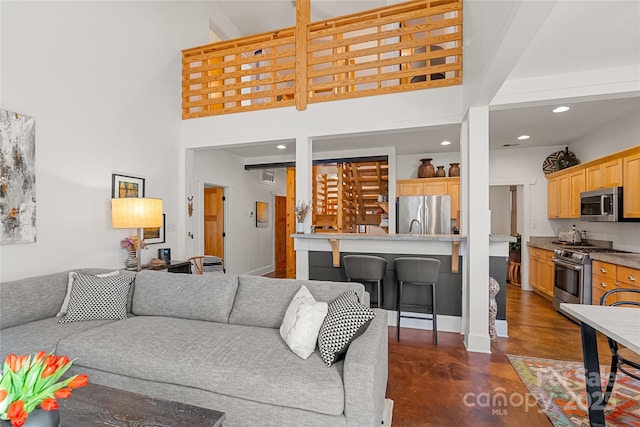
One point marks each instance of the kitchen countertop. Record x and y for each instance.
(420, 237)
(631, 260)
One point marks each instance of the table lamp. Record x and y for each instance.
(136, 212)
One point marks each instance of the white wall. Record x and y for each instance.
(102, 80)
(512, 166)
(249, 250)
(500, 207)
(617, 135)
(408, 164)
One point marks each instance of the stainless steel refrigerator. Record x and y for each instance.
(424, 215)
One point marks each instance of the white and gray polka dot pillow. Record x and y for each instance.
(94, 298)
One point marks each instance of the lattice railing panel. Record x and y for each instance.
(404, 47)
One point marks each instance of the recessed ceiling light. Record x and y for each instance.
(523, 137)
(281, 146)
(445, 143)
(561, 109)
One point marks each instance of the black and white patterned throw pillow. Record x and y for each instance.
(94, 298)
(346, 320)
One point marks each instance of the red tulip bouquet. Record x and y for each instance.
(28, 382)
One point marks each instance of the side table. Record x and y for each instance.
(172, 267)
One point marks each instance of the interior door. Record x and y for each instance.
(281, 236)
(214, 221)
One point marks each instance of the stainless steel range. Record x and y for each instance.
(572, 274)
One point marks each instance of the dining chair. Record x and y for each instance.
(198, 264)
(619, 357)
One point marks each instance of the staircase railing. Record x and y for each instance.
(404, 47)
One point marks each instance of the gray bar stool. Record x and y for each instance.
(418, 271)
(366, 268)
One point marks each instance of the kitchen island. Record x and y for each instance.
(319, 257)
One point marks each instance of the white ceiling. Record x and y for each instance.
(572, 39)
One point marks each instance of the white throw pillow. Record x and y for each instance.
(65, 303)
(302, 322)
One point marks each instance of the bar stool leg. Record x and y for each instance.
(435, 317)
(379, 293)
(398, 306)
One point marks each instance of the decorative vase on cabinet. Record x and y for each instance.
(454, 169)
(440, 172)
(131, 262)
(426, 169)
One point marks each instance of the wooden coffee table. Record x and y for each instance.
(96, 405)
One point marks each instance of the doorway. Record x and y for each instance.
(281, 236)
(214, 221)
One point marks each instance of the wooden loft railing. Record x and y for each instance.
(404, 47)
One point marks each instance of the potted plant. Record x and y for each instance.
(30, 384)
(301, 210)
(514, 249)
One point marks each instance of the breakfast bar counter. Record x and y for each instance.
(319, 257)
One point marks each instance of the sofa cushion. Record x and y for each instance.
(72, 274)
(96, 298)
(302, 323)
(346, 320)
(34, 298)
(262, 301)
(245, 362)
(41, 335)
(188, 296)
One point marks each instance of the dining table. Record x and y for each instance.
(622, 324)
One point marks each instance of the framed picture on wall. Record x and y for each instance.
(154, 234)
(262, 214)
(126, 186)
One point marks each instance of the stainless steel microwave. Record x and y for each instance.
(603, 205)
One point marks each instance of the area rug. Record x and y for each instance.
(558, 387)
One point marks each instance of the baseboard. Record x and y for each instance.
(502, 328)
(387, 413)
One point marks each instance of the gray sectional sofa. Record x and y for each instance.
(211, 341)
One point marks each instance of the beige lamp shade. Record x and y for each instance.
(136, 212)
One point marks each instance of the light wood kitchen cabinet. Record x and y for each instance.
(618, 169)
(629, 278)
(563, 194)
(603, 279)
(607, 276)
(453, 190)
(576, 186)
(430, 187)
(410, 188)
(541, 271)
(631, 183)
(604, 175)
(560, 194)
(553, 210)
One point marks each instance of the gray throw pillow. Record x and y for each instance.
(95, 298)
(346, 320)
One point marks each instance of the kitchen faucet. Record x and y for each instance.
(411, 226)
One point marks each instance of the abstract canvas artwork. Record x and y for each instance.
(262, 214)
(17, 178)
